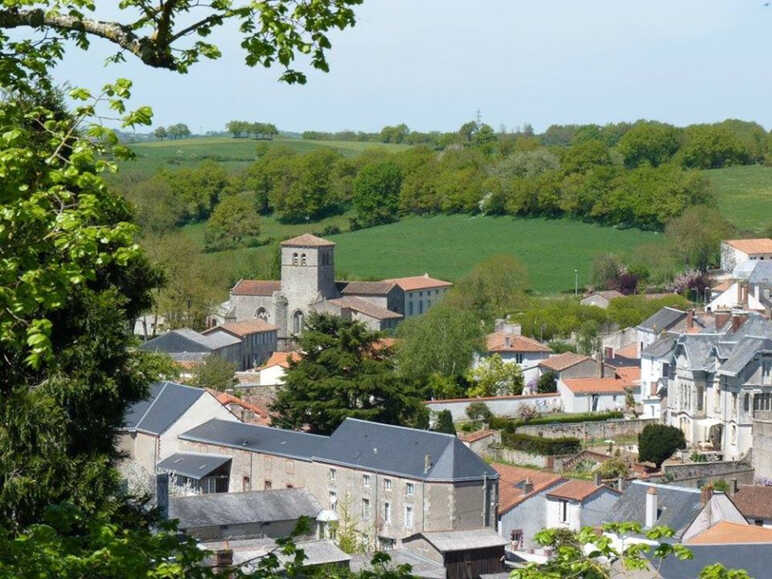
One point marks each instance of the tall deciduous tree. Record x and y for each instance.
(234, 221)
(344, 372)
(376, 193)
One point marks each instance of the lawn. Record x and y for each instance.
(744, 196)
(448, 246)
(232, 153)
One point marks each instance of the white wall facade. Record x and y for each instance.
(576, 403)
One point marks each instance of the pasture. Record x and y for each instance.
(744, 196)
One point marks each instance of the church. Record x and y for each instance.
(308, 285)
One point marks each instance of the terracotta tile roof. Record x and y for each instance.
(419, 282)
(595, 385)
(576, 490)
(562, 361)
(307, 240)
(244, 327)
(255, 287)
(630, 351)
(754, 502)
(281, 359)
(368, 288)
(511, 479)
(497, 342)
(726, 533)
(365, 307)
(752, 246)
(225, 399)
(630, 375)
(475, 436)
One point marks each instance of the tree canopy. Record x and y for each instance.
(658, 442)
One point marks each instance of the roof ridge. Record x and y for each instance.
(398, 426)
(150, 406)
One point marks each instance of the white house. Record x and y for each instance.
(592, 394)
(272, 372)
(521, 350)
(736, 251)
(579, 503)
(656, 372)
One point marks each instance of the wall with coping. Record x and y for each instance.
(600, 429)
(504, 406)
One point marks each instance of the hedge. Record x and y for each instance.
(541, 445)
(510, 425)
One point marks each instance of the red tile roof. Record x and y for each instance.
(307, 240)
(511, 495)
(475, 436)
(576, 490)
(255, 287)
(418, 282)
(726, 533)
(752, 246)
(630, 375)
(595, 385)
(225, 399)
(630, 351)
(244, 327)
(562, 361)
(365, 307)
(497, 342)
(754, 502)
(281, 359)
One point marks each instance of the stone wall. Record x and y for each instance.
(504, 406)
(700, 473)
(761, 455)
(513, 456)
(593, 430)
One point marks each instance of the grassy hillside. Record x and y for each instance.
(744, 196)
(448, 246)
(232, 153)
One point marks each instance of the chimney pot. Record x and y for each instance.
(427, 463)
(651, 507)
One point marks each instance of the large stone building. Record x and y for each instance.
(308, 285)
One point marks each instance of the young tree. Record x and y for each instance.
(160, 133)
(548, 383)
(344, 372)
(695, 236)
(376, 193)
(494, 377)
(588, 341)
(234, 221)
(479, 412)
(658, 442)
(215, 372)
(445, 423)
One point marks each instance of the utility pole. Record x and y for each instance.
(479, 116)
(576, 282)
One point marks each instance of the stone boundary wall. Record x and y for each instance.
(519, 457)
(503, 406)
(598, 430)
(699, 473)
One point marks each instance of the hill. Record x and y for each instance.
(744, 196)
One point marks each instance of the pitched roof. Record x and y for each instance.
(560, 362)
(446, 541)
(497, 342)
(752, 558)
(762, 273)
(595, 385)
(192, 465)
(629, 351)
(743, 353)
(578, 490)
(660, 347)
(179, 340)
(307, 240)
(629, 375)
(475, 436)
(754, 501)
(678, 506)
(255, 287)
(226, 398)
(512, 481)
(281, 359)
(698, 349)
(214, 509)
(162, 408)
(751, 246)
(726, 533)
(368, 288)
(244, 327)
(418, 282)
(365, 307)
(662, 319)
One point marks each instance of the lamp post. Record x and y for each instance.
(576, 282)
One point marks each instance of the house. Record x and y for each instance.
(664, 320)
(192, 473)
(601, 299)
(522, 504)
(656, 372)
(247, 553)
(593, 394)
(579, 503)
(243, 515)
(572, 365)
(512, 347)
(386, 295)
(394, 481)
(246, 411)
(752, 557)
(464, 554)
(421, 292)
(188, 346)
(150, 427)
(749, 288)
(736, 251)
(258, 339)
(755, 503)
(272, 372)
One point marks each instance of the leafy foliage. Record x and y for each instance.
(445, 423)
(540, 444)
(234, 221)
(376, 193)
(215, 372)
(479, 412)
(658, 442)
(548, 383)
(495, 377)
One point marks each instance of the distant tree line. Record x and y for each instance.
(176, 131)
(246, 129)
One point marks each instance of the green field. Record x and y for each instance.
(232, 153)
(448, 246)
(744, 196)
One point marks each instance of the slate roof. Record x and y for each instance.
(165, 404)
(357, 443)
(419, 282)
(187, 340)
(662, 319)
(755, 559)
(743, 353)
(214, 509)
(678, 505)
(307, 240)
(368, 288)
(699, 350)
(447, 541)
(497, 342)
(192, 464)
(255, 287)
(365, 307)
(420, 566)
(562, 361)
(762, 273)
(754, 501)
(660, 347)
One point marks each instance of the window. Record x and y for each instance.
(333, 499)
(766, 371)
(519, 357)
(302, 259)
(594, 402)
(387, 484)
(563, 506)
(410, 489)
(262, 314)
(758, 522)
(700, 398)
(408, 517)
(516, 536)
(387, 512)
(746, 402)
(365, 509)
(366, 480)
(245, 484)
(297, 322)
(267, 484)
(332, 474)
(410, 308)
(294, 259)
(420, 306)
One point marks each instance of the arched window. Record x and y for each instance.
(294, 259)
(262, 313)
(297, 322)
(302, 259)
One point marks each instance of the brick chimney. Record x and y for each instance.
(223, 561)
(427, 463)
(738, 319)
(596, 478)
(508, 341)
(651, 507)
(706, 494)
(721, 319)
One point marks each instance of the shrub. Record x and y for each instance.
(548, 383)
(445, 423)
(479, 412)
(541, 445)
(657, 443)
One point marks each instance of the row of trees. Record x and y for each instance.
(242, 129)
(176, 131)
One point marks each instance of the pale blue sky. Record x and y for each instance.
(432, 63)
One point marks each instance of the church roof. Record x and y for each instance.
(368, 288)
(365, 307)
(255, 287)
(307, 240)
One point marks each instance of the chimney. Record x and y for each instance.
(621, 484)
(596, 478)
(739, 292)
(738, 319)
(690, 319)
(651, 507)
(427, 463)
(733, 486)
(162, 494)
(721, 319)
(224, 560)
(706, 494)
(527, 486)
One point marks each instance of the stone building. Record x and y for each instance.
(737, 251)
(390, 481)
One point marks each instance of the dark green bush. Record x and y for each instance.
(541, 445)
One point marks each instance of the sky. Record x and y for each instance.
(433, 63)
